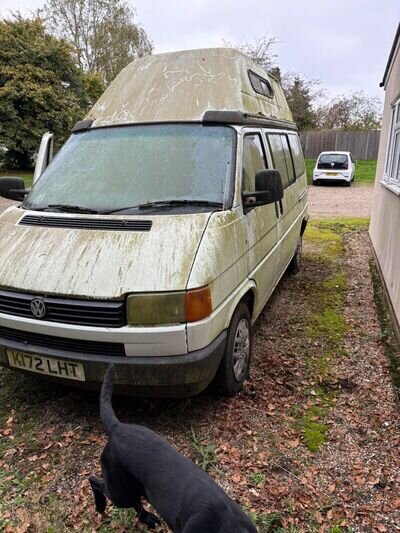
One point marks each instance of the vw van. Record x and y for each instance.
(156, 235)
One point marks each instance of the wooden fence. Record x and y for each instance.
(362, 144)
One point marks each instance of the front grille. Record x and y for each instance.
(37, 340)
(105, 314)
(86, 223)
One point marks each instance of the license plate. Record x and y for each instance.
(332, 174)
(46, 365)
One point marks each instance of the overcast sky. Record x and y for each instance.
(343, 43)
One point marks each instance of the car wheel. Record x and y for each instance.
(234, 367)
(315, 182)
(295, 263)
(347, 183)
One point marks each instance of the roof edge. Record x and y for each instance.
(245, 119)
(391, 54)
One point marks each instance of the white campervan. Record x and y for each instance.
(157, 234)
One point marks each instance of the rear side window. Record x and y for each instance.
(253, 160)
(281, 157)
(333, 161)
(297, 154)
(260, 85)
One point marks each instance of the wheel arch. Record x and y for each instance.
(248, 294)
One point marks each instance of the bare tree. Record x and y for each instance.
(355, 111)
(260, 50)
(103, 33)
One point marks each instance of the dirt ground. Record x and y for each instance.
(4, 203)
(311, 444)
(327, 201)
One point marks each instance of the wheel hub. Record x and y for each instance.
(241, 349)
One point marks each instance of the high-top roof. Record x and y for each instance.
(183, 86)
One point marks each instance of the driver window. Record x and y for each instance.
(253, 160)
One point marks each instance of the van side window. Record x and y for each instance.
(289, 160)
(253, 160)
(278, 156)
(281, 157)
(297, 154)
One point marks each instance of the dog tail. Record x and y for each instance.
(107, 413)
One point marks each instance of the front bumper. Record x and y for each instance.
(163, 376)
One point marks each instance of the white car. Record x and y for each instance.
(334, 166)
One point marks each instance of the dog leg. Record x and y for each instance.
(149, 519)
(98, 492)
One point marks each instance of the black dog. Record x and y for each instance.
(137, 462)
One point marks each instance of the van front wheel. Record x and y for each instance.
(295, 263)
(235, 364)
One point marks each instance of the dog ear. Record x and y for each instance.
(98, 492)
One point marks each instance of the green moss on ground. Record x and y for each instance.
(325, 239)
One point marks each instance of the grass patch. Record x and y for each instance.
(365, 171)
(342, 225)
(27, 175)
(328, 322)
(327, 244)
(257, 479)
(119, 519)
(206, 452)
(314, 434)
(267, 523)
(338, 281)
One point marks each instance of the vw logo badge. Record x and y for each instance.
(38, 308)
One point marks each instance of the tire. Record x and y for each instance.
(235, 364)
(315, 182)
(347, 183)
(295, 264)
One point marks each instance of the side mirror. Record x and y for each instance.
(45, 155)
(13, 188)
(269, 189)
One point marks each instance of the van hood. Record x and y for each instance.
(98, 264)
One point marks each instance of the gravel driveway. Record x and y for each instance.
(335, 201)
(4, 203)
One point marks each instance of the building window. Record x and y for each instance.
(392, 163)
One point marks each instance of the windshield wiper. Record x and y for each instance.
(168, 203)
(71, 208)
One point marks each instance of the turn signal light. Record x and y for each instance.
(198, 304)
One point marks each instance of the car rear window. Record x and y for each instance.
(334, 161)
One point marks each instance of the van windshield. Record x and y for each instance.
(110, 169)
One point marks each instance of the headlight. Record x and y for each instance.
(169, 307)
